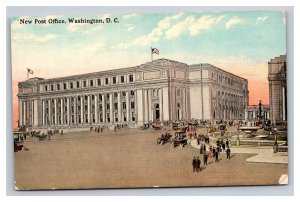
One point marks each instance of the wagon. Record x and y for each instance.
(179, 140)
(164, 139)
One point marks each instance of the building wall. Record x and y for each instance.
(277, 88)
(163, 89)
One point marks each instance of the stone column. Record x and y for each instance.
(36, 114)
(160, 94)
(103, 108)
(96, 108)
(140, 107)
(24, 113)
(127, 107)
(43, 112)
(20, 111)
(75, 110)
(32, 112)
(55, 111)
(68, 110)
(150, 105)
(89, 109)
(111, 107)
(81, 110)
(61, 111)
(119, 108)
(49, 112)
(146, 118)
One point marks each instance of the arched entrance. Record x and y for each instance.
(156, 111)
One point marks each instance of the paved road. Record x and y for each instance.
(129, 158)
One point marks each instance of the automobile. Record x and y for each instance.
(180, 139)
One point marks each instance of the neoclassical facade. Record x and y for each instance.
(277, 88)
(162, 89)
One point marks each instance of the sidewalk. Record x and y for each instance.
(264, 154)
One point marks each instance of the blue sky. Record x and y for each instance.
(239, 42)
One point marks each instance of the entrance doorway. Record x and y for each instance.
(156, 111)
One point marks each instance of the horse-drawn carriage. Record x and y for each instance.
(180, 139)
(164, 139)
(179, 127)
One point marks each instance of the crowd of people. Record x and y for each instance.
(212, 151)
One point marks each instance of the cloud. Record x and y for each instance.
(129, 27)
(33, 37)
(232, 22)
(204, 23)
(261, 19)
(130, 15)
(180, 27)
(99, 46)
(16, 24)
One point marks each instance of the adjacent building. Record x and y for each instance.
(162, 89)
(277, 89)
(254, 113)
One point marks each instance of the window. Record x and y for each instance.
(115, 95)
(116, 106)
(124, 105)
(114, 80)
(84, 84)
(91, 82)
(122, 79)
(46, 88)
(123, 94)
(106, 81)
(107, 106)
(58, 86)
(52, 87)
(130, 78)
(99, 82)
(77, 84)
(65, 86)
(132, 93)
(132, 105)
(132, 116)
(71, 85)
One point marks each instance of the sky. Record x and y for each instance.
(239, 42)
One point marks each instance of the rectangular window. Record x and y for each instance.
(130, 78)
(77, 84)
(124, 105)
(99, 82)
(114, 80)
(71, 85)
(122, 79)
(91, 83)
(46, 88)
(132, 116)
(106, 81)
(84, 84)
(132, 93)
(116, 106)
(107, 106)
(58, 86)
(65, 86)
(132, 105)
(52, 87)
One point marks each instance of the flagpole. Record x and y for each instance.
(151, 55)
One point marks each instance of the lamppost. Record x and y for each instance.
(259, 110)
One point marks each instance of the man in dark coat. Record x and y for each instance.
(198, 164)
(228, 153)
(194, 163)
(216, 156)
(205, 158)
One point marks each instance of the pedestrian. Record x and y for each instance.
(228, 153)
(205, 158)
(194, 163)
(214, 151)
(227, 143)
(204, 148)
(198, 161)
(61, 132)
(223, 146)
(216, 157)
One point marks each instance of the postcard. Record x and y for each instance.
(141, 100)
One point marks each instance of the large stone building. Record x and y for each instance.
(254, 113)
(277, 89)
(162, 89)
